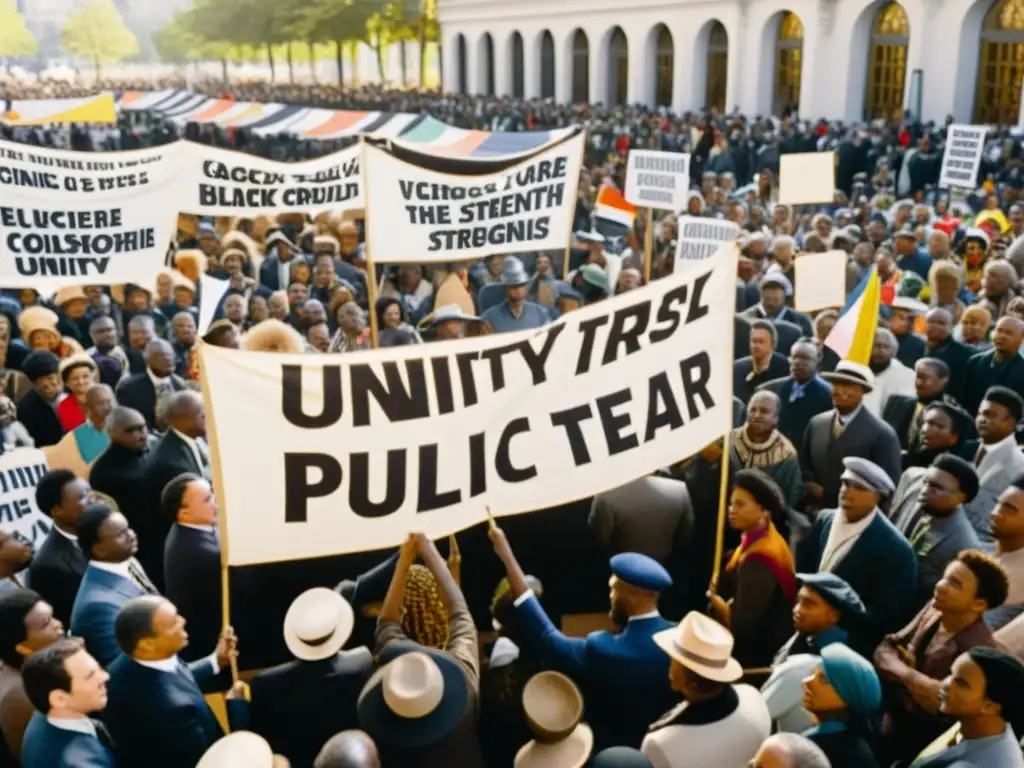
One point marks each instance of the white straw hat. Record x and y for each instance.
(318, 624)
(702, 645)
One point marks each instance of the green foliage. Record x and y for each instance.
(96, 32)
(15, 38)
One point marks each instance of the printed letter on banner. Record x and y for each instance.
(415, 214)
(366, 448)
(658, 179)
(220, 182)
(85, 218)
(20, 471)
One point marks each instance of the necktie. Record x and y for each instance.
(140, 578)
(102, 734)
(980, 456)
(837, 429)
(163, 391)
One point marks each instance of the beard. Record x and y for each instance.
(619, 615)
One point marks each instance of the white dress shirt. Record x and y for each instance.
(118, 569)
(65, 534)
(172, 665)
(841, 538)
(76, 724)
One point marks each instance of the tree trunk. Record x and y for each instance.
(224, 72)
(312, 61)
(355, 64)
(405, 79)
(423, 52)
(379, 50)
(291, 64)
(270, 60)
(440, 63)
(339, 54)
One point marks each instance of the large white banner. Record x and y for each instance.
(20, 471)
(220, 182)
(416, 214)
(73, 218)
(366, 447)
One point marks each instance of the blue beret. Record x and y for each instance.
(870, 474)
(836, 592)
(641, 571)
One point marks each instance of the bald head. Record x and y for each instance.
(790, 750)
(1008, 337)
(160, 358)
(127, 428)
(183, 411)
(348, 749)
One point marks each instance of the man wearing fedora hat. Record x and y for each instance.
(275, 271)
(448, 323)
(719, 723)
(553, 706)
(849, 429)
(625, 674)
(515, 313)
(299, 705)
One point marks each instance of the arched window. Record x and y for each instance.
(618, 82)
(517, 65)
(487, 62)
(460, 53)
(580, 68)
(887, 65)
(547, 66)
(1001, 70)
(718, 67)
(665, 56)
(789, 59)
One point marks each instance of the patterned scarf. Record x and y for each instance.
(760, 455)
(765, 544)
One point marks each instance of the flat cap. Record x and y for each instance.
(835, 591)
(869, 474)
(964, 472)
(641, 571)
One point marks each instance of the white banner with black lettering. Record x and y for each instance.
(220, 182)
(658, 179)
(961, 160)
(20, 471)
(365, 448)
(73, 218)
(417, 214)
(700, 238)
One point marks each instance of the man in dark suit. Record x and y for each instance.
(113, 578)
(157, 714)
(1001, 366)
(298, 706)
(66, 685)
(178, 452)
(803, 393)
(762, 365)
(192, 559)
(858, 543)
(57, 568)
(775, 287)
(144, 391)
(849, 429)
(118, 471)
(140, 331)
(942, 345)
(37, 410)
(275, 271)
(906, 414)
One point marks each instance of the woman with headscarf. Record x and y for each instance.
(758, 584)
(77, 374)
(843, 695)
(38, 327)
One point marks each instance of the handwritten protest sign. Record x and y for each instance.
(962, 159)
(418, 214)
(700, 238)
(365, 448)
(658, 179)
(20, 471)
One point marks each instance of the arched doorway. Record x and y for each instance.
(788, 63)
(547, 66)
(485, 55)
(517, 65)
(887, 63)
(1001, 68)
(718, 67)
(664, 64)
(580, 67)
(460, 54)
(618, 62)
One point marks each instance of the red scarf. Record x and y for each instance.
(764, 544)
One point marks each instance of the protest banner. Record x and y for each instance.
(69, 219)
(820, 280)
(20, 471)
(807, 177)
(962, 158)
(366, 448)
(221, 182)
(700, 238)
(658, 179)
(418, 213)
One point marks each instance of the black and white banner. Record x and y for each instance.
(220, 182)
(961, 160)
(370, 446)
(658, 179)
(425, 209)
(72, 218)
(20, 471)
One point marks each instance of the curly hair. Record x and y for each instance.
(993, 584)
(424, 617)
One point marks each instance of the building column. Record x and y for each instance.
(531, 65)
(564, 68)
(734, 72)
(503, 65)
(682, 75)
(642, 69)
(476, 78)
(450, 73)
(598, 63)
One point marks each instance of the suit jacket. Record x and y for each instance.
(160, 719)
(880, 566)
(866, 436)
(192, 582)
(955, 354)
(56, 572)
(100, 597)
(745, 381)
(118, 472)
(998, 469)
(171, 457)
(624, 676)
(981, 374)
(911, 349)
(899, 412)
(797, 414)
(40, 419)
(47, 746)
(138, 392)
(299, 705)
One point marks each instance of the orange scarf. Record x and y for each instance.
(767, 545)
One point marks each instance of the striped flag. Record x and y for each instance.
(854, 333)
(611, 205)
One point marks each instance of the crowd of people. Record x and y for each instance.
(868, 611)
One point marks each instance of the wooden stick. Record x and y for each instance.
(648, 246)
(490, 519)
(371, 273)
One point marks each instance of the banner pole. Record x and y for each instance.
(371, 271)
(648, 245)
(568, 245)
